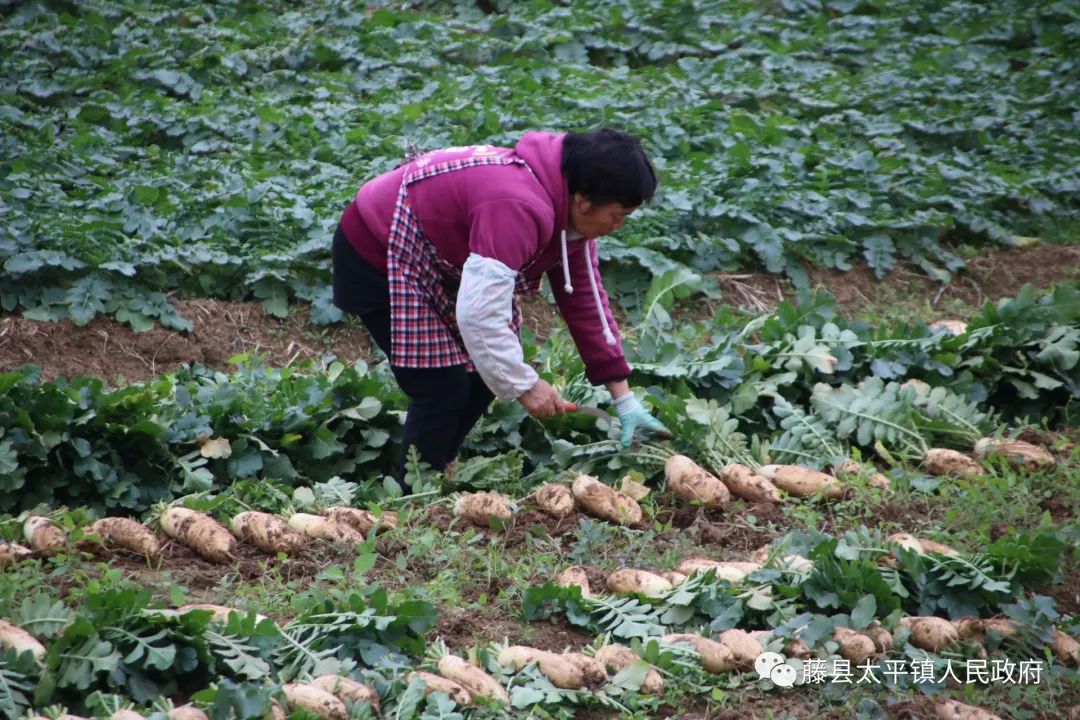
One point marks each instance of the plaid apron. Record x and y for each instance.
(424, 285)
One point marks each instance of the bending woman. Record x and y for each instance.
(430, 255)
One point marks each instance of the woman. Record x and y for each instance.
(430, 254)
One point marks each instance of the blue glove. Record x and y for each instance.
(633, 416)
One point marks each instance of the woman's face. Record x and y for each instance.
(596, 220)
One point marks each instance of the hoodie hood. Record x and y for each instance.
(542, 151)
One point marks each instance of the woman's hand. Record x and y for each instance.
(542, 400)
(634, 418)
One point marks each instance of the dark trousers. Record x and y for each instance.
(444, 403)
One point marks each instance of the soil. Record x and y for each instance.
(987, 278)
(112, 351)
(531, 522)
(752, 705)
(115, 353)
(1066, 594)
(463, 628)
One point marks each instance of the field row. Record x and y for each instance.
(799, 386)
(780, 595)
(133, 164)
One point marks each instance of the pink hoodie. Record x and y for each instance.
(507, 213)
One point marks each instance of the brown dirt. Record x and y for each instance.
(888, 516)
(1066, 594)
(597, 578)
(989, 277)
(203, 578)
(757, 704)
(915, 710)
(437, 516)
(741, 538)
(531, 521)
(1060, 510)
(111, 350)
(463, 628)
(752, 705)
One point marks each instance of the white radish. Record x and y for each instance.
(220, 612)
(629, 486)
(1066, 648)
(347, 689)
(482, 507)
(627, 580)
(854, 646)
(675, 578)
(315, 700)
(715, 657)
(744, 648)
(748, 485)
(617, 658)
(437, 683)
(15, 638)
(13, 553)
(42, 536)
(267, 532)
(604, 502)
(908, 542)
(881, 637)
(128, 534)
(559, 670)
(944, 462)
(187, 712)
(803, 482)
(953, 710)
(363, 520)
(694, 484)
(575, 576)
(126, 715)
(849, 468)
(200, 532)
(592, 670)
(555, 500)
(473, 678)
(324, 528)
(930, 633)
(1018, 453)
(731, 570)
(952, 327)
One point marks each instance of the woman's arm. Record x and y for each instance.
(484, 308)
(617, 388)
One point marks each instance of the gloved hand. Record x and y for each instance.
(633, 416)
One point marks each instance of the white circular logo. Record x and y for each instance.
(766, 662)
(784, 675)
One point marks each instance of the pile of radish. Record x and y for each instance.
(733, 650)
(1017, 454)
(202, 533)
(684, 478)
(730, 651)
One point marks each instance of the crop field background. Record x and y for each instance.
(838, 177)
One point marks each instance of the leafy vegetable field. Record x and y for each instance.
(148, 149)
(887, 503)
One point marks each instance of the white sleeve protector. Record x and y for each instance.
(484, 310)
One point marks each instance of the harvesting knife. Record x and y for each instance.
(601, 415)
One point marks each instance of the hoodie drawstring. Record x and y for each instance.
(566, 267)
(608, 336)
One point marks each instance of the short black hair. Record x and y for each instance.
(607, 165)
